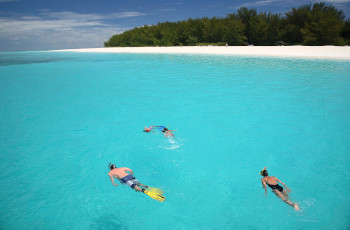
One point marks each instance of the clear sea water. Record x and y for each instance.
(65, 116)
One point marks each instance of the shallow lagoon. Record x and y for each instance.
(65, 116)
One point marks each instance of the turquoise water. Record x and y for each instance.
(65, 116)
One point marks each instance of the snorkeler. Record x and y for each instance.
(125, 176)
(272, 182)
(163, 129)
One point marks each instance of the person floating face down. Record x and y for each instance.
(163, 129)
(272, 182)
(125, 176)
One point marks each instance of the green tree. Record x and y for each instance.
(274, 34)
(346, 31)
(259, 29)
(234, 31)
(294, 21)
(325, 26)
(314, 24)
(245, 16)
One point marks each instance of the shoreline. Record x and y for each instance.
(321, 52)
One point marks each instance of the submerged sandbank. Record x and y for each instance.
(332, 52)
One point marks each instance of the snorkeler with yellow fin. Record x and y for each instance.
(125, 176)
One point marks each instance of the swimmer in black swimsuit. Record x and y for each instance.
(272, 182)
(276, 186)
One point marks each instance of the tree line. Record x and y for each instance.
(314, 24)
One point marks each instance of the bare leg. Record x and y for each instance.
(285, 193)
(285, 199)
(137, 188)
(142, 185)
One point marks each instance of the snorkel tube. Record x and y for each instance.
(263, 172)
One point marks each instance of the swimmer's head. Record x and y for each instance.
(264, 172)
(111, 166)
(164, 130)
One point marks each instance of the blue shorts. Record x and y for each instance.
(130, 181)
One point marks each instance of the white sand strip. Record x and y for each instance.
(333, 52)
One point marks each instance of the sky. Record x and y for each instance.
(29, 25)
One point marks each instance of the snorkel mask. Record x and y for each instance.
(263, 172)
(111, 166)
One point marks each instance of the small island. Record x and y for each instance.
(315, 24)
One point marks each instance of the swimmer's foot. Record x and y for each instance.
(296, 207)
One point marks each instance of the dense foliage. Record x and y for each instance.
(314, 24)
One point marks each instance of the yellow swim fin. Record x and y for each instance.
(154, 195)
(155, 190)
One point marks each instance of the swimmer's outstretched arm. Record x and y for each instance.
(264, 185)
(112, 179)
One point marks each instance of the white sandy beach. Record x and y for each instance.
(328, 52)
